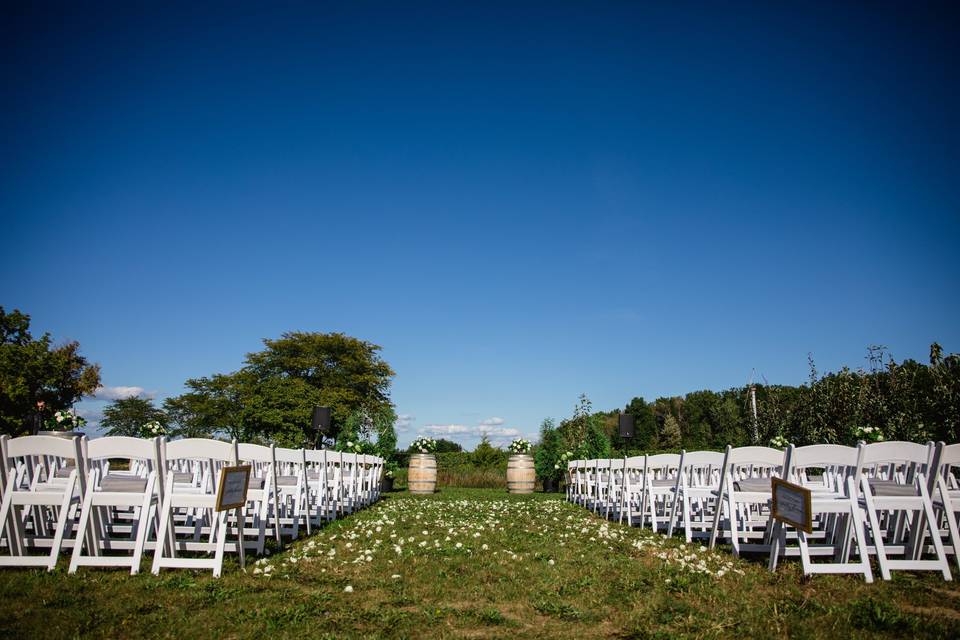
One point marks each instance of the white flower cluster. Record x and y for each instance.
(564, 459)
(355, 447)
(152, 429)
(66, 421)
(687, 558)
(869, 434)
(370, 547)
(519, 446)
(424, 444)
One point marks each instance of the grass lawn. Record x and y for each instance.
(478, 563)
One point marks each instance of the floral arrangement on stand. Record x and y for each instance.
(65, 421)
(152, 429)
(424, 444)
(520, 446)
(868, 434)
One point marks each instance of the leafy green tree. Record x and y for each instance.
(486, 456)
(272, 397)
(348, 373)
(548, 451)
(33, 370)
(596, 442)
(126, 416)
(645, 425)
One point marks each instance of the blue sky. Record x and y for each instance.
(519, 204)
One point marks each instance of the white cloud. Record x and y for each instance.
(404, 422)
(490, 428)
(120, 393)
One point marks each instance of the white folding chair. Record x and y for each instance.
(601, 483)
(614, 487)
(660, 485)
(261, 493)
(946, 499)
(320, 486)
(830, 472)
(291, 490)
(895, 494)
(697, 493)
(745, 494)
(631, 497)
(107, 491)
(37, 504)
(212, 456)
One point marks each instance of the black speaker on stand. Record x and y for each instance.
(626, 425)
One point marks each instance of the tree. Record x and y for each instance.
(33, 370)
(272, 397)
(645, 425)
(670, 433)
(348, 373)
(547, 454)
(126, 416)
(486, 456)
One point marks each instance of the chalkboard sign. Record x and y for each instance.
(232, 492)
(791, 504)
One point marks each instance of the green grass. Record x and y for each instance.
(549, 570)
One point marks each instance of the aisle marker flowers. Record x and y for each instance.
(424, 444)
(520, 446)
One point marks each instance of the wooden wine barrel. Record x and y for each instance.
(422, 474)
(520, 473)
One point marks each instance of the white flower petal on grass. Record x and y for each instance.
(348, 589)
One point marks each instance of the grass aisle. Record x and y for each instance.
(478, 563)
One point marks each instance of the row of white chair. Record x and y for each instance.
(895, 501)
(111, 499)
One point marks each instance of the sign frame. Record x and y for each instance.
(245, 469)
(806, 495)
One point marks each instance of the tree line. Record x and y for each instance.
(908, 400)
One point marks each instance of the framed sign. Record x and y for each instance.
(232, 492)
(791, 504)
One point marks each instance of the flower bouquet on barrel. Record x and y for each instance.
(422, 472)
(521, 475)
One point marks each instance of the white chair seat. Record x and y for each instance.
(123, 483)
(892, 488)
(753, 485)
(286, 481)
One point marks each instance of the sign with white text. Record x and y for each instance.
(232, 492)
(791, 504)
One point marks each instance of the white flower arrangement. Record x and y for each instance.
(355, 447)
(868, 434)
(520, 446)
(152, 429)
(65, 421)
(424, 444)
(564, 459)
(779, 442)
